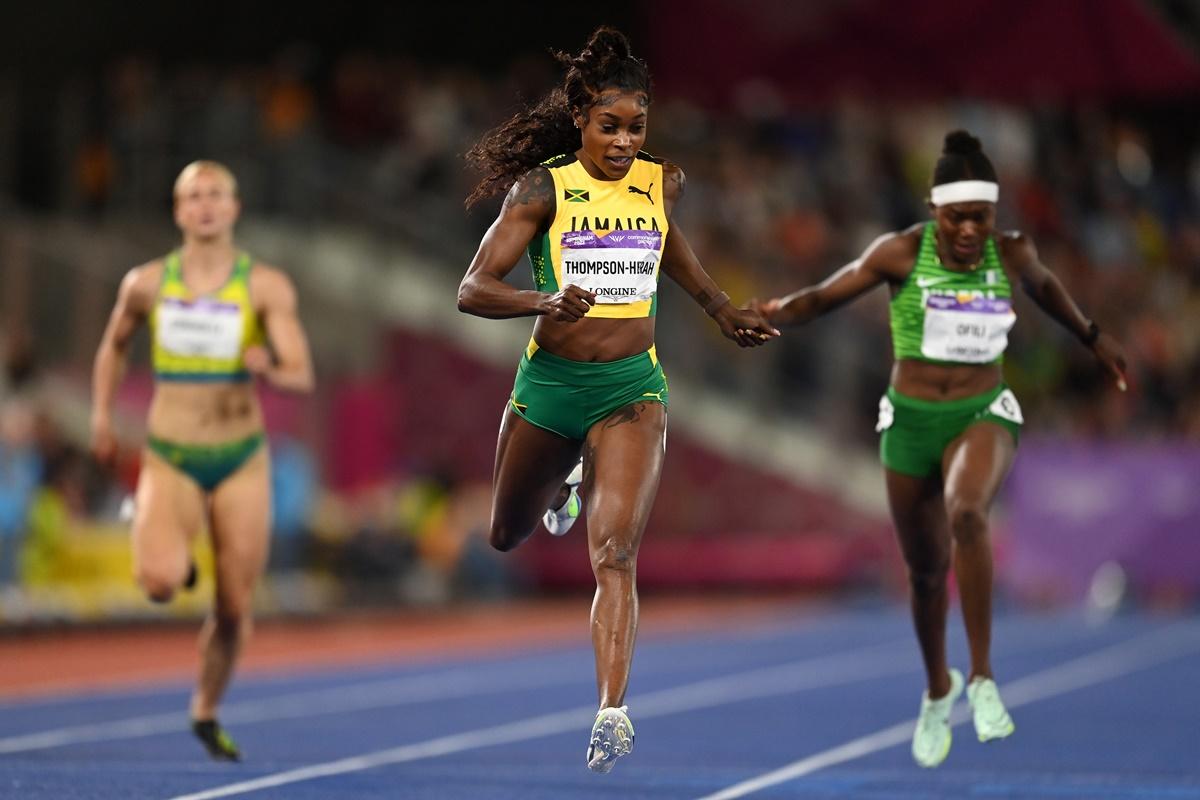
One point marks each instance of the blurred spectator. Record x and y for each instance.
(293, 487)
(20, 473)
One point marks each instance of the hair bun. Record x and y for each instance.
(606, 42)
(961, 143)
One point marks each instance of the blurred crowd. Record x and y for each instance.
(777, 198)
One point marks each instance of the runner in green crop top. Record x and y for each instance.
(949, 425)
(212, 312)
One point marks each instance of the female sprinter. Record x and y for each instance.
(211, 309)
(594, 213)
(948, 421)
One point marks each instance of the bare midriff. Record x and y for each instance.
(198, 413)
(924, 380)
(600, 339)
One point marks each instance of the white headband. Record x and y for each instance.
(965, 192)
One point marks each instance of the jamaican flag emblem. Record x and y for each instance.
(575, 195)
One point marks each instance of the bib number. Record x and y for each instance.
(621, 267)
(204, 328)
(974, 331)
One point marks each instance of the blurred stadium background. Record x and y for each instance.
(805, 129)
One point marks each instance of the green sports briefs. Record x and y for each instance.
(569, 397)
(207, 465)
(915, 433)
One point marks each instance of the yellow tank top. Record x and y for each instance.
(202, 339)
(606, 237)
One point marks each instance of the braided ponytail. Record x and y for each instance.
(547, 128)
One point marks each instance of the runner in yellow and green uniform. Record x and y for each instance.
(594, 213)
(212, 312)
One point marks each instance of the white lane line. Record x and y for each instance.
(391, 692)
(296, 705)
(1112, 662)
(860, 664)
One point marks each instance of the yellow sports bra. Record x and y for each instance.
(202, 339)
(606, 237)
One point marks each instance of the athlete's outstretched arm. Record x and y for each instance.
(743, 325)
(134, 300)
(527, 212)
(275, 300)
(1044, 287)
(883, 261)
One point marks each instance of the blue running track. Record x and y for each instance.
(817, 707)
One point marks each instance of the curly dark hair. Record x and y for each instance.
(962, 160)
(547, 128)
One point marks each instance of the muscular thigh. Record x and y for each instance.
(241, 525)
(168, 513)
(919, 514)
(623, 459)
(531, 463)
(976, 463)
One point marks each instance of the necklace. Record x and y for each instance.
(970, 267)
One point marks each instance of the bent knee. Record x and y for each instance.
(161, 583)
(501, 538)
(506, 533)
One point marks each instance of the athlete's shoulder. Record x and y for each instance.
(533, 191)
(893, 255)
(905, 244)
(1012, 239)
(145, 278)
(559, 161)
(674, 179)
(268, 276)
(1016, 247)
(271, 286)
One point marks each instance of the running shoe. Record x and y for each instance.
(991, 717)
(559, 520)
(216, 741)
(931, 739)
(612, 737)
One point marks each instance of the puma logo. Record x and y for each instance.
(646, 191)
(656, 395)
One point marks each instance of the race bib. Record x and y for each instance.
(1006, 407)
(205, 328)
(974, 331)
(620, 267)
